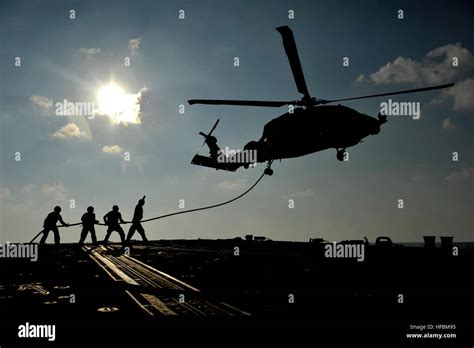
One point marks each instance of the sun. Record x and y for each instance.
(110, 98)
(119, 106)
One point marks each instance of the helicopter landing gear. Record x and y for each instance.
(268, 170)
(340, 154)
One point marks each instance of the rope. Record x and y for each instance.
(175, 213)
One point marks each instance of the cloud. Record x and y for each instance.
(4, 192)
(28, 188)
(361, 78)
(50, 193)
(89, 52)
(436, 67)
(418, 178)
(134, 45)
(71, 130)
(463, 174)
(447, 124)
(112, 149)
(233, 185)
(54, 192)
(41, 102)
(463, 94)
(301, 194)
(140, 99)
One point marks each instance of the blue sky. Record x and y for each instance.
(174, 59)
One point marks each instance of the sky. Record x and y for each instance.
(49, 159)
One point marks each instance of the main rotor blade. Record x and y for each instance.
(240, 102)
(294, 59)
(390, 93)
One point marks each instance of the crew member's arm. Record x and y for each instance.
(105, 218)
(62, 222)
(120, 219)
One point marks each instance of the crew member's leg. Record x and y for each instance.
(107, 235)
(45, 235)
(83, 235)
(57, 239)
(131, 232)
(140, 230)
(120, 231)
(93, 236)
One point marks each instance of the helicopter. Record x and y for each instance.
(308, 127)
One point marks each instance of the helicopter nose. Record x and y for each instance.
(375, 129)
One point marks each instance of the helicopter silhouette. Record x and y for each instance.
(309, 126)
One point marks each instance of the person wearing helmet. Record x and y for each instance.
(88, 222)
(50, 225)
(112, 219)
(136, 225)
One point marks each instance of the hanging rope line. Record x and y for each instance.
(175, 213)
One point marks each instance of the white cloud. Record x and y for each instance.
(418, 178)
(435, 68)
(463, 174)
(71, 130)
(28, 188)
(301, 194)
(447, 124)
(4, 192)
(41, 102)
(463, 94)
(134, 45)
(112, 149)
(89, 52)
(400, 70)
(361, 78)
(233, 185)
(50, 193)
(54, 192)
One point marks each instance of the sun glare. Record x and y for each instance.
(118, 105)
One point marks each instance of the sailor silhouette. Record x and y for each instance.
(50, 225)
(112, 220)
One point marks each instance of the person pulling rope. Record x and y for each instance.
(52, 227)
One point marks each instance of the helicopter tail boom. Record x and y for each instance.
(214, 163)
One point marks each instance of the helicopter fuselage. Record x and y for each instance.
(309, 130)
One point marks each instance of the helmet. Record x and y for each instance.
(57, 209)
(115, 208)
(142, 201)
(90, 209)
